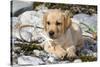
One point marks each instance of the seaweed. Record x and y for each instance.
(88, 58)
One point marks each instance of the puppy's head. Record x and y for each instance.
(56, 22)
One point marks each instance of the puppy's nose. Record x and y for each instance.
(51, 33)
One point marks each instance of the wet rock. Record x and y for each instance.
(28, 60)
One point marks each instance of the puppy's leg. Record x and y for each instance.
(60, 52)
(56, 50)
(71, 52)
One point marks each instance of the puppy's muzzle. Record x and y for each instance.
(51, 33)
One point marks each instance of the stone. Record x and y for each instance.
(14, 58)
(77, 61)
(31, 18)
(40, 52)
(36, 52)
(89, 20)
(22, 5)
(16, 48)
(28, 33)
(29, 60)
(51, 59)
(15, 24)
(94, 54)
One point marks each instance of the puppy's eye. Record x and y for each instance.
(58, 23)
(48, 23)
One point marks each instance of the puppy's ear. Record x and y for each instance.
(44, 21)
(67, 20)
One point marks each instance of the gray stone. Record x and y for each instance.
(15, 33)
(26, 34)
(87, 19)
(28, 60)
(90, 20)
(94, 54)
(16, 48)
(51, 59)
(39, 53)
(33, 18)
(77, 61)
(22, 4)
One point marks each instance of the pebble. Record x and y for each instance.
(77, 61)
(51, 59)
(29, 60)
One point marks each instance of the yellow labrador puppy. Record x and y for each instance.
(66, 35)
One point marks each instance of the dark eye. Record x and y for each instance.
(58, 23)
(48, 23)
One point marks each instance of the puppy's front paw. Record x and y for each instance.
(59, 52)
(71, 53)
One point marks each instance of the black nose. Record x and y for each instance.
(51, 33)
